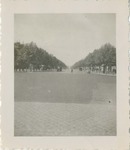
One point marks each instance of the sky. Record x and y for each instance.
(69, 37)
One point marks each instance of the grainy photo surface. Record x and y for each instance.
(65, 75)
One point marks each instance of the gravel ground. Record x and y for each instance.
(64, 87)
(56, 119)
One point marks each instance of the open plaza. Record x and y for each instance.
(64, 104)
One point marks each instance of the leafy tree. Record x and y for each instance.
(29, 54)
(104, 56)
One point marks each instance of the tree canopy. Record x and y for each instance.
(105, 55)
(29, 53)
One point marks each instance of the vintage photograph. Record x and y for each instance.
(65, 74)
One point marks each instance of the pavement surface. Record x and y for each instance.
(47, 119)
(58, 104)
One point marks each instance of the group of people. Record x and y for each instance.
(102, 69)
(35, 68)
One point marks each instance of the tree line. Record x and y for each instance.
(104, 57)
(30, 56)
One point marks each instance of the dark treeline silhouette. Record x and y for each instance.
(100, 60)
(30, 57)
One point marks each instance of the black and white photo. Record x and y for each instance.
(65, 74)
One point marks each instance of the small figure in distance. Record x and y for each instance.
(80, 69)
(71, 70)
(60, 69)
(89, 72)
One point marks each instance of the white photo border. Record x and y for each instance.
(120, 8)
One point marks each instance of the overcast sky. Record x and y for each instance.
(69, 37)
